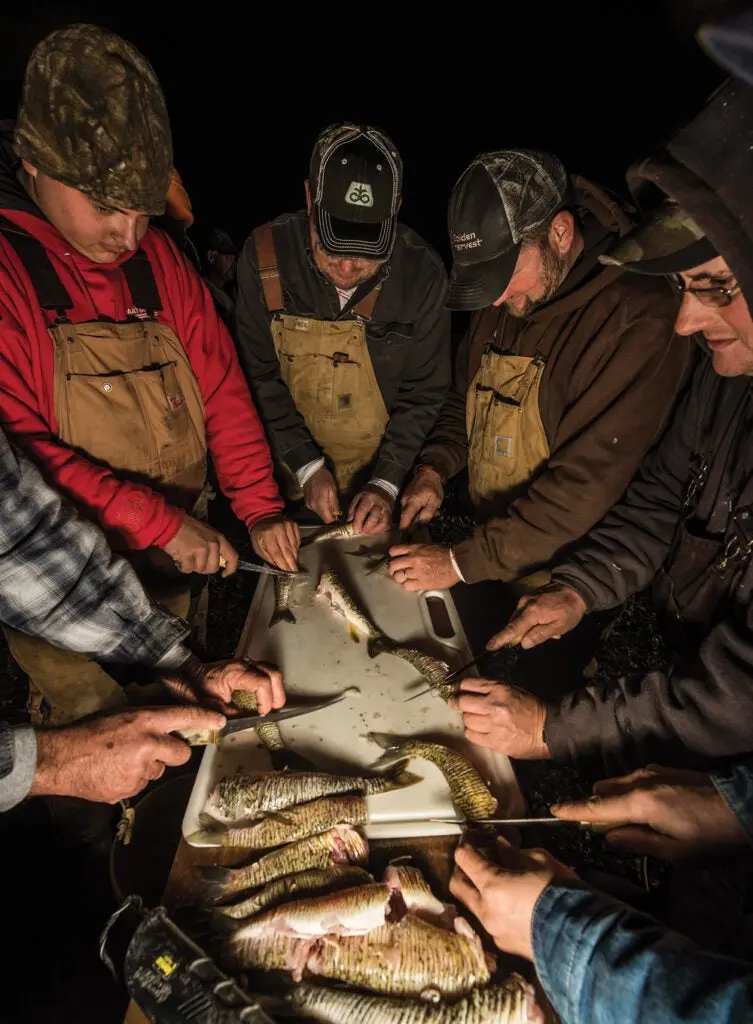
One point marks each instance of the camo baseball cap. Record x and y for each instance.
(497, 200)
(667, 242)
(93, 117)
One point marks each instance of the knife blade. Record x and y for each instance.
(268, 570)
(592, 826)
(207, 737)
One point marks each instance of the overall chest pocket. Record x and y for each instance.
(127, 418)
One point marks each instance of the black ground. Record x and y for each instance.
(56, 901)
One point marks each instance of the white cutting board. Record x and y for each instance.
(319, 659)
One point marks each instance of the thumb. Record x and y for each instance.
(174, 718)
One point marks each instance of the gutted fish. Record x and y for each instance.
(283, 590)
(355, 911)
(408, 958)
(341, 845)
(469, 791)
(332, 591)
(431, 669)
(288, 826)
(414, 888)
(249, 795)
(314, 880)
(334, 531)
(514, 1002)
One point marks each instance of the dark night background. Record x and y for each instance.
(249, 86)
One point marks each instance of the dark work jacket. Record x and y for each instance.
(702, 709)
(408, 339)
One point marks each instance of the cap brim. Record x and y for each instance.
(669, 242)
(345, 239)
(477, 285)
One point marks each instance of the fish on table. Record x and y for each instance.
(469, 792)
(342, 845)
(288, 826)
(513, 1002)
(410, 958)
(433, 670)
(334, 531)
(247, 796)
(355, 911)
(332, 591)
(283, 591)
(313, 880)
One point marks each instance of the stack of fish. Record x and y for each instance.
(309, 908)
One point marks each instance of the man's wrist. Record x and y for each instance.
(425, 468)
(382, 487)
(455, 566)
(304, 474)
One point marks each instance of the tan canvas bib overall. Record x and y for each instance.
(125, 394)
(328, 370)
(506, 438)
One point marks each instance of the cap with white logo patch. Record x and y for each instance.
(496, 201)
(355, 180)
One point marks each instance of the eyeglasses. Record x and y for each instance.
(718, 296)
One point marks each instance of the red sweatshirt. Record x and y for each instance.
(235, 436)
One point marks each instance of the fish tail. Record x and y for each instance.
(392, 750)
(217, 881)
(281, 615)
(379, 644)
(398, 777)
(208, 836)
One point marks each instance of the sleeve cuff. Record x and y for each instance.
(456, 567)
(15, 786)
(735, 787)
(385, 485)
(177, 656)
(306, 472)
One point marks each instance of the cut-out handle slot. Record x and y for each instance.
(440, 617)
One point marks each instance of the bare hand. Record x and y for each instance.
(503, 896)
(320, 495)
(422, 567)
(198, 547)
(422, 497)
(545, 615)
(677, 814)
(108, 758)
(503, 718)
(212, 684)
(371, 510)
(276, 540)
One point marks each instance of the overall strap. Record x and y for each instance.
(51, 293)
(269, 272)
(141, 284)
(365, 308)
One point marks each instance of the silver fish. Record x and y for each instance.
(341, 845)
(332, 591)
(355, 911)
(335, 531)
(282, 612)
(247, 796)
(314, 880)
(513, 1002)
(288, 826)
(470, 793)
(431, 669)
(376, 561)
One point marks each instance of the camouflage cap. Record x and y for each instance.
(667, 242)
(93, 117)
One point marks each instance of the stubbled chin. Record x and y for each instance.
(733, 362)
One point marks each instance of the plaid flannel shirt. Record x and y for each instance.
(59, 580)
